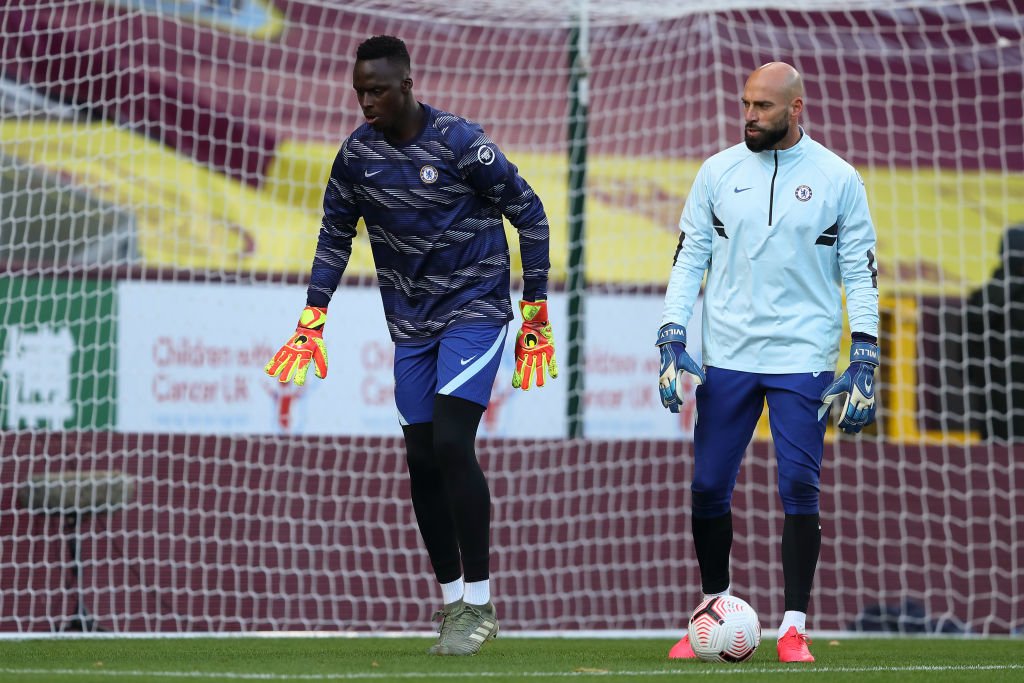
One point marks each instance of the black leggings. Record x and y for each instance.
(449, 491)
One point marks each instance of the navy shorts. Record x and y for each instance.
(462, 362)
(729, 405)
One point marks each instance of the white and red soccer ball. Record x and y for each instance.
(724, 629)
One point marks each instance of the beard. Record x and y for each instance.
(769, 137)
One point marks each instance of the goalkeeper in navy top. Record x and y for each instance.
(432, 188)
(778, 224)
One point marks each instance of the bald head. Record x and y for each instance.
(773, 100)
(778, 77)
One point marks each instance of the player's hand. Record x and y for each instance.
(675, 361)
(535, 346)
(857, 387)
(307, 344)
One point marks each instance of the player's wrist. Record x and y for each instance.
(313, 318)
(670, 333)
(535, 312)
(863, 337)
(865, 352)
(535, 289)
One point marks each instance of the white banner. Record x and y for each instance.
(191, 357)
(622, 366)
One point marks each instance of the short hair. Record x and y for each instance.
(384, 47)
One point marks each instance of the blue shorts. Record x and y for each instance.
(462, 362)
(729, 405)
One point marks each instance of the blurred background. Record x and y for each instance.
(162, 166)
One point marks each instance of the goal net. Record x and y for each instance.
(162, 167)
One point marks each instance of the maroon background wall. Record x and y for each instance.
(934, 85)
(247, 534)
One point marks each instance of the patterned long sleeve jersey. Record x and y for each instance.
(433, 211)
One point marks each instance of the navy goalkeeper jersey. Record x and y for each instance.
(433, 212)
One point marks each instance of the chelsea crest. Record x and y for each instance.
(428, 174)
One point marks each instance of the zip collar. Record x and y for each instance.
(778, 157)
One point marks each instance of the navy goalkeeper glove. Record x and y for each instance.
(857, 387)
(675, 361)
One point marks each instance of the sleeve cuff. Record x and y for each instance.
(535, 291)
(864, 337)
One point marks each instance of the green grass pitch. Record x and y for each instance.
(105, 660)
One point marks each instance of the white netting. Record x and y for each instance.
(161, 171)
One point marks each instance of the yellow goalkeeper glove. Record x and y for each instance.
(307, 344)
(535, 346)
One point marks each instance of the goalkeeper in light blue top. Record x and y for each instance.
(779, 226)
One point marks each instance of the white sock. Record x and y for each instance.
(478, 592)
(717, 595)
(792, 618)
(452, 591)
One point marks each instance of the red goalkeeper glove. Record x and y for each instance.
(307, 344)
(535, 346)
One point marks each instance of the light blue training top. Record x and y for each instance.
(779, 234)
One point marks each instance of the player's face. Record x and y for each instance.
(382, 89)
(767, 111)
(766, 123)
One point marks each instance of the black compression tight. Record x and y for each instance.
(449, 491)
(712, 540)
(801, 545)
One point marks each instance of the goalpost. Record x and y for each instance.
(162, 167)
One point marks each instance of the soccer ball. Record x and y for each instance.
(724, 629)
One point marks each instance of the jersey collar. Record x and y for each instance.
(786, 156)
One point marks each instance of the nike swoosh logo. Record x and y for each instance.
(466, 361)
(367, 174)
(737, 190)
